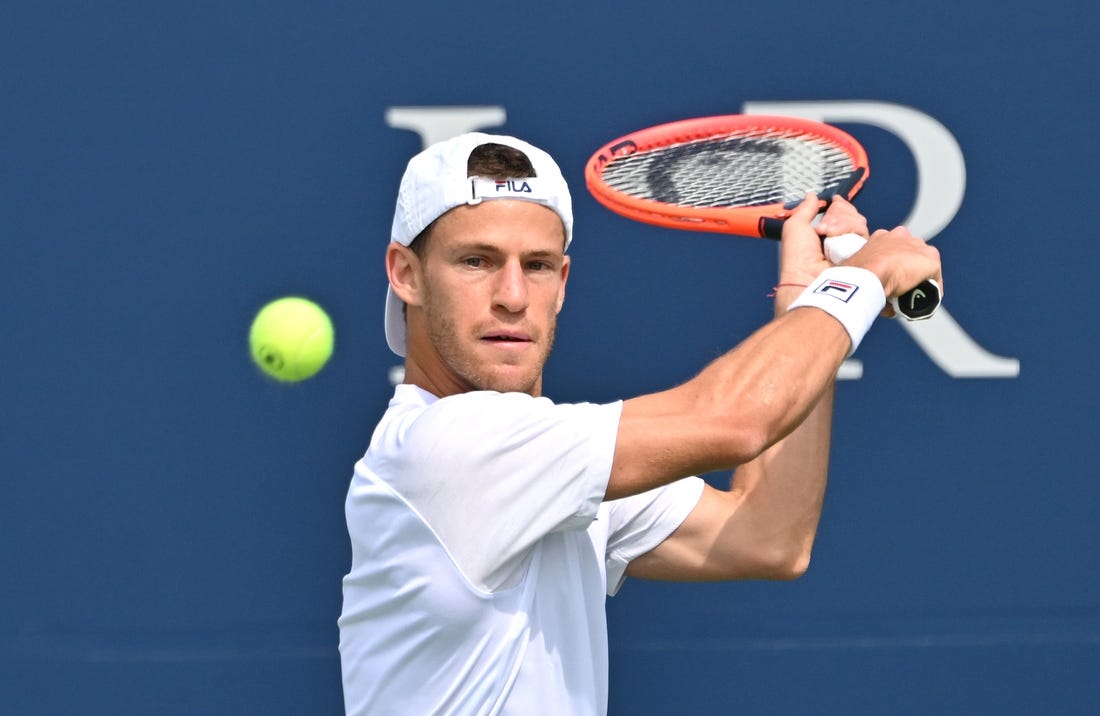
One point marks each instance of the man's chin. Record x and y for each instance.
(510, 379)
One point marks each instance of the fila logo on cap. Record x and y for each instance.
(515, 186)
(528, 189)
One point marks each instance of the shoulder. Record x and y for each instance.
(487, 430)
(507, 418)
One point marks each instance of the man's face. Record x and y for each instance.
(492, 283)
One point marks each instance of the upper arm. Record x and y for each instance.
(665, 436)
(734, 410)
(719, 540)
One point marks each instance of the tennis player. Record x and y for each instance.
(488, 523)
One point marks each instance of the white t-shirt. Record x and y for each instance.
(482, 551)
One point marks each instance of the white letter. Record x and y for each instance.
(434, 124)
(941, 182)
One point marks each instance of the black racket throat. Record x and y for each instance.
(772, 228)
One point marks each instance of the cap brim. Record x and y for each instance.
(395, 322)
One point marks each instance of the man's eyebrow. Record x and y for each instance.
(494, 249)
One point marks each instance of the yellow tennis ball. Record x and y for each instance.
(291, 338)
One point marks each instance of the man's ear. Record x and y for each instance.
(403, 269)
(564, 278)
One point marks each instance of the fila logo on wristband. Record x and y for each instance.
(840, 290)
(849, 294)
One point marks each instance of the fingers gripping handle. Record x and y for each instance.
(916, 304)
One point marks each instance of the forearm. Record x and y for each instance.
(782, 491)
(763, 527)
(735, 409)
(767, 407)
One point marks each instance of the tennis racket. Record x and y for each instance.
(737, 174)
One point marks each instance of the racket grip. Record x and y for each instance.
(916, 304)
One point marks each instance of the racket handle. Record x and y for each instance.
(916, 304)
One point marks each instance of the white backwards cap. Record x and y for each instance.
(435, 182)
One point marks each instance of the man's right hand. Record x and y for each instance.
(899, 259)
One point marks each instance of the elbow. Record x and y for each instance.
(784, 562)
(744, 445)
(793, 569)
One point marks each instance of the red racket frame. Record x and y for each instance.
(763, 220)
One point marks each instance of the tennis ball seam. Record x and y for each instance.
(323, 328)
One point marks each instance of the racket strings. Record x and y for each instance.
(733, 170)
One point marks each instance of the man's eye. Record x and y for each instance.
(474, 261)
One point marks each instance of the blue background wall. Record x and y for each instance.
(171, 526)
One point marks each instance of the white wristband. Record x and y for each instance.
(853, 296)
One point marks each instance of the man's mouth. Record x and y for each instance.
(506, 338)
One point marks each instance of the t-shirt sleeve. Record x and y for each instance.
(641, 522)
(492, 473)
